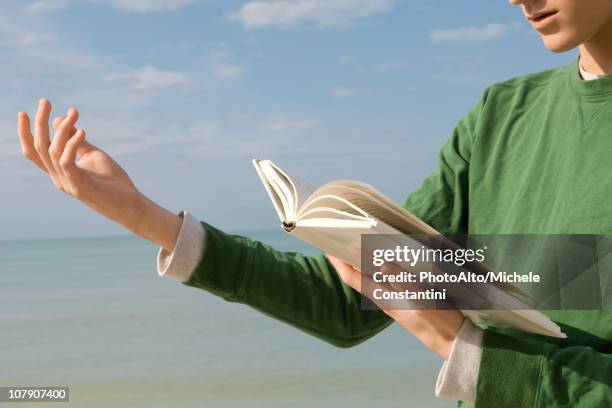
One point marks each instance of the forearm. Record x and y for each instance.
(302, 291)
(138, 214)
(155, 223)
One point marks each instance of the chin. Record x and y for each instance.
(559, 42)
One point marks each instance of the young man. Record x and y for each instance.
(532, 156)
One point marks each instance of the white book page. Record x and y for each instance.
(527, 320)
(302, 190)
(281, 186)
(392, 208)
(374, 203)
(349, 209)
(340, 238)
(345, 244)
(287, 192)
(274, 197)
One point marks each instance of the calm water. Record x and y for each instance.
(94, 315)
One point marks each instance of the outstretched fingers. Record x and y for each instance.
(27, 140)
(57, 121)
(63, 132)
(67, 163)
(83, 147)
(42, 141)
(56, 157)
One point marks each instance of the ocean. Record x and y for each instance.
(93, 314)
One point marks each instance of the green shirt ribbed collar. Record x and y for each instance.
(594, 87)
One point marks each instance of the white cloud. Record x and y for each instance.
(248, 135)
(285, 124)
(320, 13)
(389, 66)
(245, 135)
(227, 71)
(34, 38)
(139, 6)
(471, 34)
(222, 63)
(43, 6)
(342, 92)
(149, 77)
(347, 59)
(49, 61)
(22, 39)
(221, 52)
(13, 35)
(149, 5)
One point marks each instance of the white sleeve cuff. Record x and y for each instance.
(188, 251)
(459, 374)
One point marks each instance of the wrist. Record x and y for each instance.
(436, 329)
(444, 346)
(157, 224)
(449, 335)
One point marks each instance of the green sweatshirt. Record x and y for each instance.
(530, 157)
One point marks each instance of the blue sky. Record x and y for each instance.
(183, 93)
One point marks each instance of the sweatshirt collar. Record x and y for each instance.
(587, 76)
(594, 87)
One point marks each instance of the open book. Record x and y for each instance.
(334, 216)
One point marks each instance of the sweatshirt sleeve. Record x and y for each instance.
(303, 291)
(442, 201)
(188, 251)
(537, 373)
(459, 374)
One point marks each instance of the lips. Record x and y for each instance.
(541, 16)
(543, 21)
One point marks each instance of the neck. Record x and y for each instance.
(596, 53)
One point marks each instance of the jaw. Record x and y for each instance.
(596, 52)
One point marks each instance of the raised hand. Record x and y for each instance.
(88, 174)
